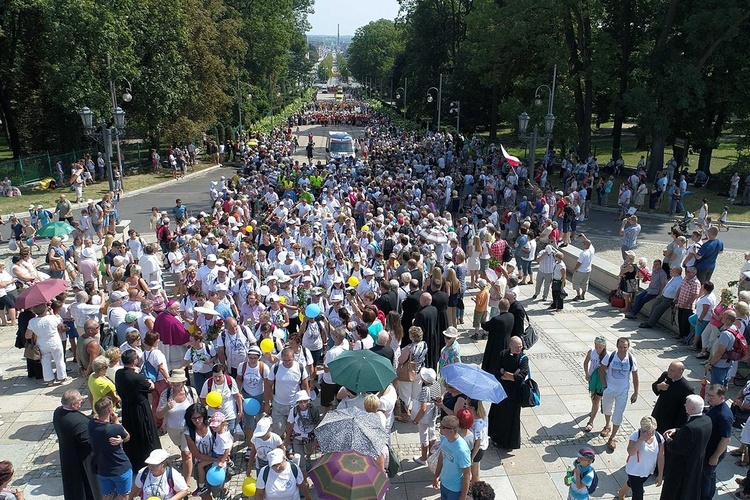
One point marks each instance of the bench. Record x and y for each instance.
(122, 227)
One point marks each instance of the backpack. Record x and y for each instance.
(190, 391)
(507, 253)
(210, 382)
(170, 482)
(148, 370)
(594, 483)
(276, 370)
(107, 337)
(314, 415)
(630, 361)
(264, 472)
(739, 349)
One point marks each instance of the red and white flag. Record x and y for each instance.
(512, 160)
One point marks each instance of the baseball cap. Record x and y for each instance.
(211, 257)
(217, 419)
(117, 295)
(262, 427)
(275, 457)
(130, 317)
(157, 457)
(587, 452)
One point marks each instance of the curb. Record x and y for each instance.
(658, 217)
(147, 189)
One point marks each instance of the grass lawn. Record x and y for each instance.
(5, 152)
(49, 198)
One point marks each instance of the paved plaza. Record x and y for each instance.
(552, 432)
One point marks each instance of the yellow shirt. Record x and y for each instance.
(99, 387)
(483, 299)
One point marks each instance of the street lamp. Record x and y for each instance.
(456, 109)
(104, 136)
(549, 122)
(439, 91)
(398, 94)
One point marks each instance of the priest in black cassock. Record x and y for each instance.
(427, 319)
(671, 390)
(135, 391)
(409, 308)
(76, 457)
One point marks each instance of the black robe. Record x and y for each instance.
(683, 471)
(519, 314)
(76, 457)
(499, 330)
(504, 420)
(137, 418)
(427, 319)
(669, 410)
(409, 308)
(440, 301)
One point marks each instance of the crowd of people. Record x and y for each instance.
(220, 334)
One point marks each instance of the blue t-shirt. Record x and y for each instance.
(709, 252)
(179, 211)
(111, 460)
(587, 476)
(456, 456)
(224, 310)
(721, 426)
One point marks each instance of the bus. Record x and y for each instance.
(339, 146)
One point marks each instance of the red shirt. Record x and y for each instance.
(498, 248)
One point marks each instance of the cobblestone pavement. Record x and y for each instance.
(552, 432)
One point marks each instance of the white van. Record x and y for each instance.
(339, 146)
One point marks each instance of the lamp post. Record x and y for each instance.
(439, 91)
(119, 118)
(456, 109)
(398, 95)
(549, 122)
(104, 136)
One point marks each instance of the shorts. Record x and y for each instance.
(614, 403)
(483, 264)
(178, 438)
(479, 318)
(6, 302)
(479, 456)
(426, 433)
(72, 332)
(121, 485)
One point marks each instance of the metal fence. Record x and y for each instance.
(35, 168)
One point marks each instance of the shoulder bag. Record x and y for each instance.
(530, 396)
(407, 371)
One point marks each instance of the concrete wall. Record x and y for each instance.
(604, 278)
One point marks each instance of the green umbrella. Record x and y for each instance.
(362, 371)
(55, 229)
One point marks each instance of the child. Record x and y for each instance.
(262, 442)
(481, 437)
(740, 407)
(451, 353)
(423, 411)
(723, 218)
(300, 428)
(222, 447)
(581, 476)
(481, 300)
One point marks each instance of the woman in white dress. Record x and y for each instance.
(472, 252)
(49, 329)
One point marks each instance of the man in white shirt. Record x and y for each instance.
(615, 370)
(328, 388)
(285, 379)
(280, 480)
(232, 345)
(207, 274)
(151, 268)
(582, 269)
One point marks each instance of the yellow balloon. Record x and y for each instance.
(353, 281)
(154, 498)
(249, 229)
(191, 329)
(266, 345)
(365, 228)
(213, 399)
(301, 317)
(248, 487)
(282, 300)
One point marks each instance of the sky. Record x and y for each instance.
(350, 14)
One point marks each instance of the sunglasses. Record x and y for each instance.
(600, 339)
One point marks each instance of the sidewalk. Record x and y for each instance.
(552, 432)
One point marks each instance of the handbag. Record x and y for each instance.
(31, 351)
(57, 265)
(530, 335)
(394, 463)
(530, 396)
(407, 371)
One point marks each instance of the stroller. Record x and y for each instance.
(683, 224)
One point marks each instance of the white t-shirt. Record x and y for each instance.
(618, 373)
(252, 379)
(200, 358)
(262, 446)
(227, 397)
(331, 354)
(643, 463)
(585, 258)
(287, 382)
(175, 418)
(155, 358)
(235, 346)
(222, 443)
(363, 344)
(159, 486)
(280, 486)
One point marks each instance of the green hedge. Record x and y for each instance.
(267, 124)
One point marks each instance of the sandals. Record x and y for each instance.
(605, 432)
(741, 463)
(736, 453)
(589, 427)
(703, 355)
(611, 445)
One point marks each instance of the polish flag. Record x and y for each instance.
(512, 160)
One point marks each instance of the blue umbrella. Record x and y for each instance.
(474, 382)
